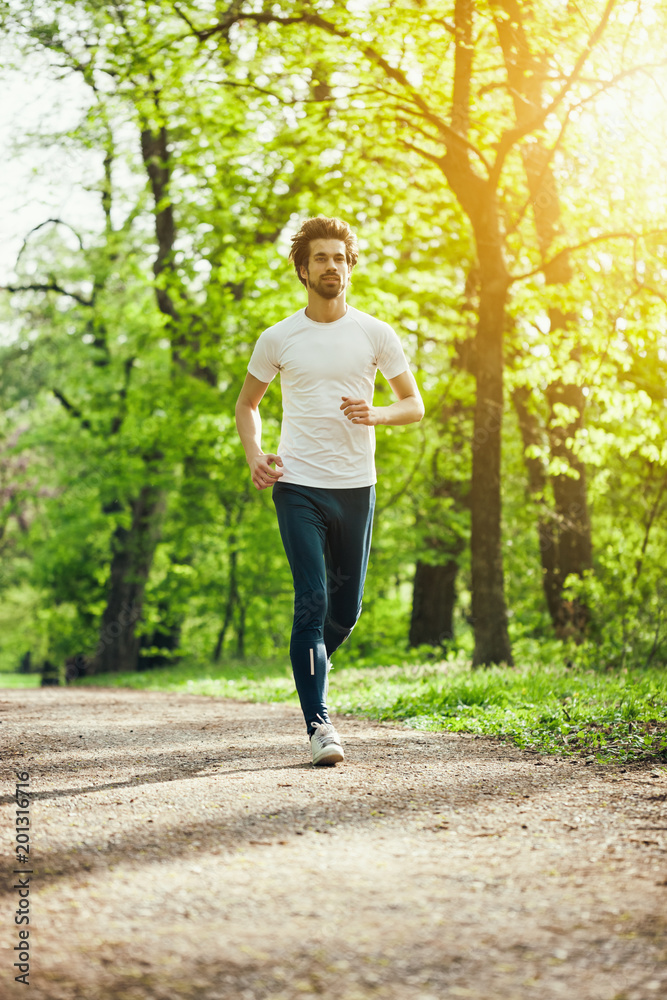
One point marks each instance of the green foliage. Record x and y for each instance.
(103, 392)
(551, 709)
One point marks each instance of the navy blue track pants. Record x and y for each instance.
(327, 539)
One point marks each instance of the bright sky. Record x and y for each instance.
(38, 181)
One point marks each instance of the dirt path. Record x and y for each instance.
(185, 847)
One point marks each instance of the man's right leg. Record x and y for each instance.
(303, 529)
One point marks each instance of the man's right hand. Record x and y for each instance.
(262, 473)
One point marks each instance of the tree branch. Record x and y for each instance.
(423, 152)
(417, 128)
(47, 222)
(603, 88)
(463, 24)
(512, 135)
(639, 562)
(75, 411)
(642, 286)
(446, 132)
(117, 421)
(51, 286)
(582, 246)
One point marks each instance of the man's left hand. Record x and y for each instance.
(360, 412)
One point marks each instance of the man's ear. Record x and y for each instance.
(303, 271)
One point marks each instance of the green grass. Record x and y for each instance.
(247, 680)
(20, 680)
(612, 717)
(620, 716)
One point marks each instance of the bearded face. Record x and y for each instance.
(327, 272)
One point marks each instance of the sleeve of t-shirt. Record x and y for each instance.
(390, 358)
(263, 362)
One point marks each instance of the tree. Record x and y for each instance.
(565, 535)
(448, 139)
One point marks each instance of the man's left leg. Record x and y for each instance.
(347, 550)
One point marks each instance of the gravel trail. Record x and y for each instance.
(185, 847)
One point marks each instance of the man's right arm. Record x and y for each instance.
(249, 426)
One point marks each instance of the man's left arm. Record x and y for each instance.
(407, 409)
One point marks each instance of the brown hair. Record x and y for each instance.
(322, 228)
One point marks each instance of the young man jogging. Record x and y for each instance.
(323, 476)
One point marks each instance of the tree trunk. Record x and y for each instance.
(232, 601)
(240, 632)
(433, 600)
(479, 200)
(133, 549)
(132, 555)
(434, 583)
(575, 552)
(489, 614)
(164, 640)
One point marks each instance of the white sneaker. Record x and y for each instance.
(325, 744)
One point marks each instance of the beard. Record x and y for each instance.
(327, 290)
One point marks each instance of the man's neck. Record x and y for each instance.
(325, 310)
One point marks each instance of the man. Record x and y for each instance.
(323, 476)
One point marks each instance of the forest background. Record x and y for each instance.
(504, 166)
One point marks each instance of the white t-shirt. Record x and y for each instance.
(318, 364)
